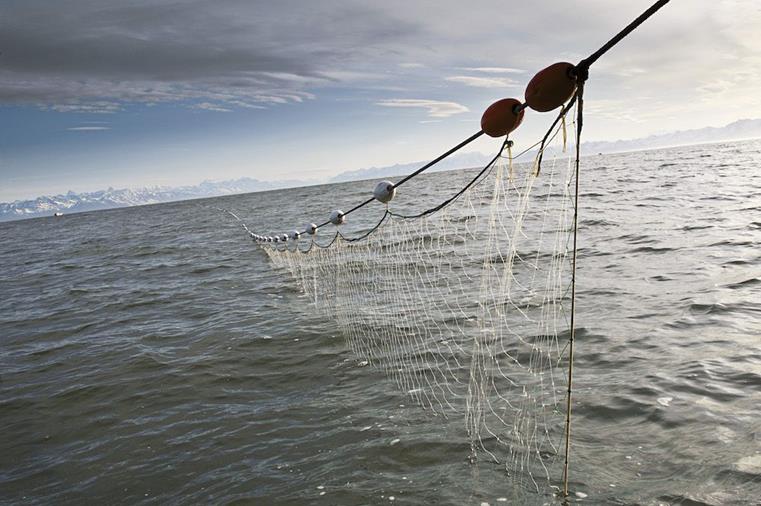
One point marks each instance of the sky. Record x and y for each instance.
(132, 93)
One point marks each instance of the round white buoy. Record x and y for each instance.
(384, 191)
(284, 237)
(311, 229)
(337, 217)
(295, 234)
(276, 238)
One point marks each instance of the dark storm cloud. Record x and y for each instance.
(255, 52)
(252, 52)
(97, 54)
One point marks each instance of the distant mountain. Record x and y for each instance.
(457, 161)
(105, 199)
(108, 199)
(740, 129)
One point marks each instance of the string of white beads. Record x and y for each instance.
(384, 192)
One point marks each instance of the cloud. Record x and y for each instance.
(101, 55)
(483, 82)
(435, 108)
(247, 105)
(97, 107)
(619, 110)
(253, 52)
(208, 106)
(496, 70)
(88, 128)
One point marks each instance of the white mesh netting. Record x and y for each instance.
(466, 309)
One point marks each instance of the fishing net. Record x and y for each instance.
(469, 305)
(466, 307)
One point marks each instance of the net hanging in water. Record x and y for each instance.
(470, 305)
(465, 308)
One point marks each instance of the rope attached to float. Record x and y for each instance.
(560, 85)
(549, 89)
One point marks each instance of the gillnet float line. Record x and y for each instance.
(560, 85)
(549, 89)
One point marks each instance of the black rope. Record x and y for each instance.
(454, 197)
(325, 246)
(562, 114)
(373, 229)
(580, 72)
(584, 65)
(440, 158)
(527, 150)
(359, 206)
(416, 173)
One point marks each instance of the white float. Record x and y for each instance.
(384, 191)
(337, 217)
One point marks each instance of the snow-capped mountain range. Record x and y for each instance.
(72, 202)
(106, 199)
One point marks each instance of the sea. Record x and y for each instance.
(153, 355)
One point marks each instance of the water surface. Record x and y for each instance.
(152, 355)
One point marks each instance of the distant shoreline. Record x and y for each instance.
(75, 203)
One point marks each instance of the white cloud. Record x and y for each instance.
(248, 105)
(91, 108)
(483, 82)
(208, 106)
(435, 108)
(619, 110)
(88, 128)
(70, 57)
(496, 70)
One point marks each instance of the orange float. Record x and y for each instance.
(552, 87)
(501, 118)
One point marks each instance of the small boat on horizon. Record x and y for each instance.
(58, 214)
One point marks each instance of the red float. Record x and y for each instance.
(552, 87)
(500, 118)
